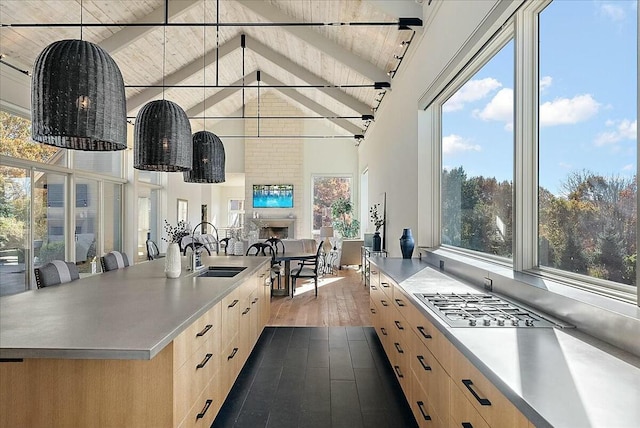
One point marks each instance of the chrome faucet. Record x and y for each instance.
(196, 256)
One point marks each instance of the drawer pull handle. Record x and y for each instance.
(204, 330)
(373, 287)
(467, 425)
(246, 311)
(423, 332)
(398, 347)
(235, 302)
(233, 354)
(400, 302)
(384, 303)
(204, 362)
(254, 301)
(424, 365)
(383, 330)
(482, 401)
(385, 284)
(204, 409)
(398, 372)
(421, 407)
(397, 323)
(373, 311)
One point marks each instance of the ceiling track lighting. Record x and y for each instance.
(3, 61)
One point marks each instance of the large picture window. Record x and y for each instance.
(477, 159)
(588, 139)
(326, 190)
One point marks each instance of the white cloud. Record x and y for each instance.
(455, 143)
(500, 108)
(545, 82)
(624, 130)
(567, 111)
(612, 11)
(630, 167)
(473, 90)
(565, 165)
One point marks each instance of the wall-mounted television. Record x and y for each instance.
(273, 196)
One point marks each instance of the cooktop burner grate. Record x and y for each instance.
(480, 310)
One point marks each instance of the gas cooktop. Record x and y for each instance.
(480, 310)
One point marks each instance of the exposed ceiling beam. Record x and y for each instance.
(296, 96)
(194, 67)
(282, 61)
(400, 8)
(121, 39)
(313, 38)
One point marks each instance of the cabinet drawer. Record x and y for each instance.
(191, 379)
(423, 410)
(430, 336)
(229, 366)
(399, 348)
(194, 336)
(230, 308)
(386, 285)
(206, 407)
(463, 414)
(433, 379)
(483, 395)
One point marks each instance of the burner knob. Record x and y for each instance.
(528, 323)
(472, 322)
(486, 321)
(515, 322)
(500, 322)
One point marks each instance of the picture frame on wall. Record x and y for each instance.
(183, 210)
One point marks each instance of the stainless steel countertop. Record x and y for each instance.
(555, 377)
(130, 313)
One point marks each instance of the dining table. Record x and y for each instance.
(287, 257)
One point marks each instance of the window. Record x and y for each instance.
(477, 159)
(15, 141)
(588, 139)
(326, 190)
(236, 213)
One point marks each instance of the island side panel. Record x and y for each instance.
(86, 393)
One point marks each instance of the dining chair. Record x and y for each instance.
(278, 247)
(152, 250)
(56, 272)
(113, 261)
(308, 268)
(224, 241)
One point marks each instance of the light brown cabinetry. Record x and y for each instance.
(184, 385)
(443, 388)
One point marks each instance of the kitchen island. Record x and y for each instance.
(130, 347)
(502, 376)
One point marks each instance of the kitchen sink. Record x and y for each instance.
(221, 271)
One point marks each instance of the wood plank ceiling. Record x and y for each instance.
(186, 55)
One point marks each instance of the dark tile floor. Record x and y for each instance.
(316, 377)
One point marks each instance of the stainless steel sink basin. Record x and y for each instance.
(222, 271)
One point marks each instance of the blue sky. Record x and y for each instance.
(588, 98)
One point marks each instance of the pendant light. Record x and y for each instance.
(162, 133)
(78, 97)
(208, 150)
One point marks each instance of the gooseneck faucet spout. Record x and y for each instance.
(196, 261)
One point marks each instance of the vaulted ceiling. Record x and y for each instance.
(330, 58)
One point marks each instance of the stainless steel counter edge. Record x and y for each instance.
(414, 276)
(132, 313)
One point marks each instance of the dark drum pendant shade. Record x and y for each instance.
(208, 159)
(162, 138)
(77, 98)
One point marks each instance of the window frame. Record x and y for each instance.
(352, 197)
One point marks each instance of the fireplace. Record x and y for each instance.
(279, 228)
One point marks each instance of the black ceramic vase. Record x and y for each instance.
(406, 244)
(377, 242)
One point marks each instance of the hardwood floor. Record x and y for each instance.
(342, 300)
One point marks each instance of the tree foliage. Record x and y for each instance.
(326, 190)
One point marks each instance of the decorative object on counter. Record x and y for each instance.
(378, 220)
(172, 262)
(343, 221)
(407, 243)
(208, 159)
(78, 98)
(326, 232)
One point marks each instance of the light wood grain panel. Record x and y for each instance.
(462, 411)
(194, 336)
(86, 393)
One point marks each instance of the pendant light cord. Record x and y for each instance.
(81, 26)
(204, 65)
(164, 41)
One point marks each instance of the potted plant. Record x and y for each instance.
(378, 220)
(343, 221)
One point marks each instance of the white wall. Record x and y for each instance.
(390, 149)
